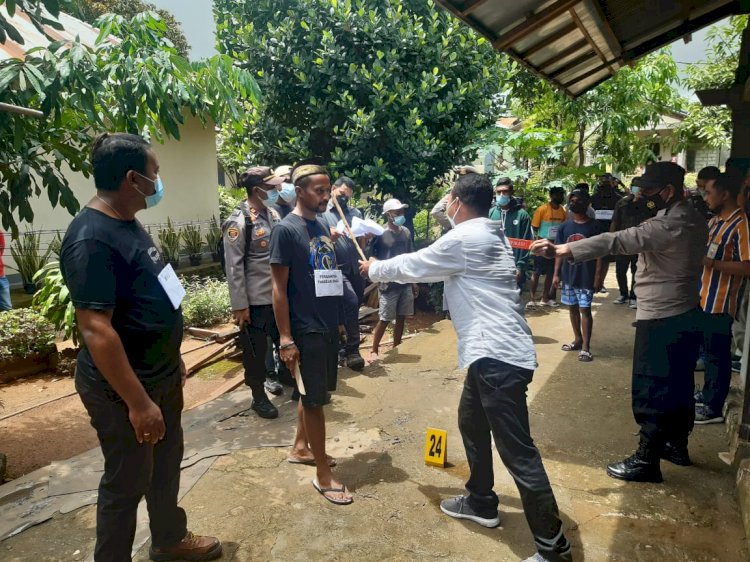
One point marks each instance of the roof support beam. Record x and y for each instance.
(588, 37)
(556, 36)
(575, 47)
(533, 22)
(471, 6)
(588, 56)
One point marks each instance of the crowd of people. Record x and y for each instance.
(297, 272)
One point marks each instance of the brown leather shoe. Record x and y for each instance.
(192, 547)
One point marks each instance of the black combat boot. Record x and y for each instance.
(641, 466)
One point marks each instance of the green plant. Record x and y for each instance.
(206, 303)
(229, 200)
(213, 235)
(28, 255)
(169, 241)
(388, 91)
(55, 245)
(54, 303)
(192, 239)
(25, 332)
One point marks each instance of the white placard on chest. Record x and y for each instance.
(172, 286)
(329, 283)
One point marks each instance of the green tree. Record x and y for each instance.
(389, 92)
(91, 10)
(138, 84)
(713, 125)
(40, 13)
(605, 119)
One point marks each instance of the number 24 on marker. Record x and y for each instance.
(436, 447)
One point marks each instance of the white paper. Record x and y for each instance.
(329, 283)
(604, 214)
(361, 227)
(713, 248)
(171, 283)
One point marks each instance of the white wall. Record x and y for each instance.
(188, 170)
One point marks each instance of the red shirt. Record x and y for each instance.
(2, 251)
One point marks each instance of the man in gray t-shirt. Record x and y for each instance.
(396, 299)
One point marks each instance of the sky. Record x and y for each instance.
(198, 24)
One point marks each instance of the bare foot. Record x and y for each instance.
(334, 491)
(307, 457)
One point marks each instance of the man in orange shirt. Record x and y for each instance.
(725, 267)
(546, 222)
(5, 303)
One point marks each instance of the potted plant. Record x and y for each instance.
(55, 245)
(29, 258)
(193, 243)
(27, 344)
(169, 240)
(213, 237)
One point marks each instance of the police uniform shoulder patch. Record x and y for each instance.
(233, 233)
(259, 232)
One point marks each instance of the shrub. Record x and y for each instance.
(169, 240)
(206, 302)
(25, 332)
(53, 301)
(28, 255)
(192, 239)
(229, 200)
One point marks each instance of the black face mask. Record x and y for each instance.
(557, 199)
(343, 200)
(579, 207)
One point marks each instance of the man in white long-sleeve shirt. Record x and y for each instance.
(475, 261)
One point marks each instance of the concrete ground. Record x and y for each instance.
(265, 509)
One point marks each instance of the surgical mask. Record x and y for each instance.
(343, 200)
(635, 190)
(452, 219)
(154, 199)
(399, 221)
(288, 192)
(271, 197)
(502, 200)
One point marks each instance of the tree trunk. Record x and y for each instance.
(581, 152)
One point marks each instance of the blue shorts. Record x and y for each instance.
(572, 296)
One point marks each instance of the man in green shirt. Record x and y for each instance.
(516, 223)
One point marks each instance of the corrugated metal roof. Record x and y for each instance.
(34, 38)
(576, 44)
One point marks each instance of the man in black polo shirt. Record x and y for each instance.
(308, 291)
(129, 373)
(603, 201)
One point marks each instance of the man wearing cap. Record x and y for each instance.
(603, 201)
(671, 248)
(396, 299)
(287, 193)
(546, 222)
(247, 236)
(630, 211)
(516, 223)
(347, 257)
(307, 301)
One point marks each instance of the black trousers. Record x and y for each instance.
(717, 346)
(132, 470)
(351, 318)
(664, 357)
(622, 264)
(254, 342)
(493, 404)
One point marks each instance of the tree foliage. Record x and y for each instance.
(713, 125)
(389, 92)
(91, 10)
(605, 119)
(40, 13)
(137, 84)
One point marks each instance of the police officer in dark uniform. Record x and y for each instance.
(247, 235)
(603, 201)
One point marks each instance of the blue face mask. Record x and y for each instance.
(502, 200)
(399, 221)
(635, 189)
(271, 197)
(288, 192)
(154, 199)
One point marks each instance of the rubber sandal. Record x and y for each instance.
(311, 462)
(324, 491)
(573, 346)
(585, 356)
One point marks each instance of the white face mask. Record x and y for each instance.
(452, 219)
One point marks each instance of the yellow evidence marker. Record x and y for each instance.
(436, 447)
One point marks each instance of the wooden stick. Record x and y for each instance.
(348, 228)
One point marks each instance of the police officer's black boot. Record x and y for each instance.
(262, 405)
(676, 453)
(642, 466)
